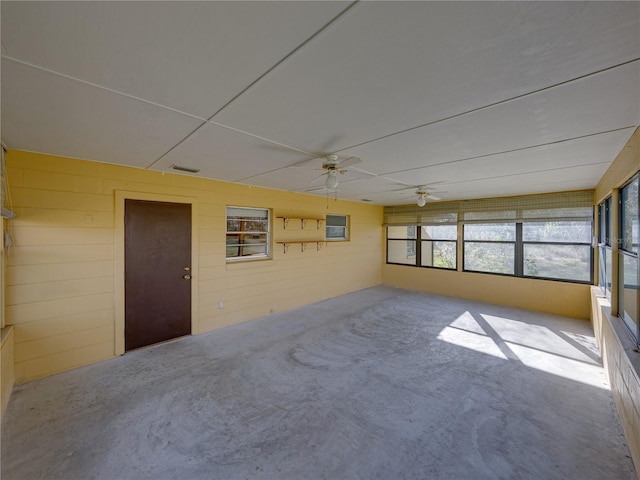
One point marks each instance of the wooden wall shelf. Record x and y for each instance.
(302, 243)
(303, 221)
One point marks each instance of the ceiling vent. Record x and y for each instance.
(185, 169)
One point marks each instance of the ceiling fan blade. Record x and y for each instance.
(364, 173)
(433, 197)
(316, 179)
(349, 161)
(307, 163)
(322, 188)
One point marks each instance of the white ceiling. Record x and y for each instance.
(479, 99)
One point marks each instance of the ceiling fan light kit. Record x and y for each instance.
(332, 180)
(423, 195)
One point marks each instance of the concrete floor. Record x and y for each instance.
(381, 383)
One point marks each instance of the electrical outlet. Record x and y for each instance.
(220, 305)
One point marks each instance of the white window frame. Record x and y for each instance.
(345, 228)
(256, 256)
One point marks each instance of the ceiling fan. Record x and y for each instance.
(333, 166)
(423, 194)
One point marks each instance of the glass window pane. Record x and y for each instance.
(608, 260)
(491, 231)
(242, 212)
(440, 232)
(566, 262)
(247, 232)
(401, 251)
(401, 232)
(602, 279)
(438, 254)
(609, 220)
(258, 249)
(336, 227)
(247, 225)
(629, 291)
(489, 257)
(337, 232)
(570, 232)
(336, 220)
(629, 220)
(603, 222)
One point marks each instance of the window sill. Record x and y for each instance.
(242, 261)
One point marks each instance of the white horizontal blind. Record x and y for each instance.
(442, 213)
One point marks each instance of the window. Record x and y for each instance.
(423, 236)
(540, 236)
(604, 246)
(438, 246)
(557, 250)
(422, 246)
(490, 247)
(247, 233)
(628, 268)
(401, 245)
(337, 227)
(544, 236)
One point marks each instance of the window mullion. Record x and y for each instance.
(418, 246)
(519, 256)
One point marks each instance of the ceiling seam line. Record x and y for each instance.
(226, 127)
(152, 103)
(176, 145)
(491, 105)
(529, 173)
(383, 176)
(530, 147)
(271, 69)
(102, 87)
(258, 137)
(285, 58)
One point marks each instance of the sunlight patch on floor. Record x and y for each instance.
(561, 353)
(472, 341)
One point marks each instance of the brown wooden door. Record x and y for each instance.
(157, 258)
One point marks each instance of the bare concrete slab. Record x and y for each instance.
(378, 384)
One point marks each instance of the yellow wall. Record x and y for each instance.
(625, 165)
(6, 368)
(62, 290)
(560, 298)
(621, 360)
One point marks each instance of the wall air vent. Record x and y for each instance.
(185, 169)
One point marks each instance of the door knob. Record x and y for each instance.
(187, 268)
(187, 277)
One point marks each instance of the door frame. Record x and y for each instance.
(119, 242)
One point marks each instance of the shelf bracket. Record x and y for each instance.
(286, 247)
(303, 245)
(303, 222)
(285, 222)
(318, 246)
(319, 223)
